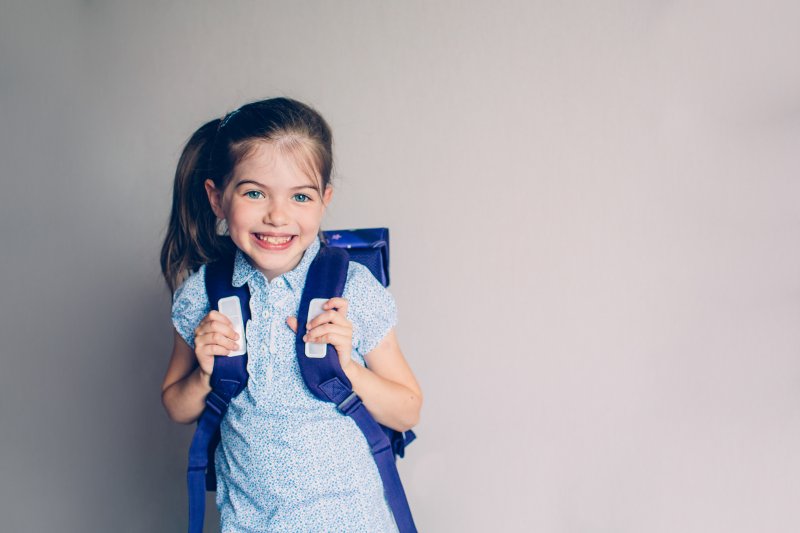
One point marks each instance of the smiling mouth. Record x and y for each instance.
(274, 240)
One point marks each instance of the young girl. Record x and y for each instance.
(256, 184)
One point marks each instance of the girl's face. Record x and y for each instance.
(272, 208)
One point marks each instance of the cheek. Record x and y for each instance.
(310, 222)
(241, 209)
(240, 218)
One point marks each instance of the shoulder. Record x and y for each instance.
(190, 304)
(192, 288)
(359, 275)
(362, 284)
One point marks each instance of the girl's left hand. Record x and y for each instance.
(331, 327)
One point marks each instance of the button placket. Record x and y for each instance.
(273, 342)
(279, 305)
(255, 295)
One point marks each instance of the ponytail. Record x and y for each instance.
(192, 239)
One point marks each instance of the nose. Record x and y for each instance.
(276, 214)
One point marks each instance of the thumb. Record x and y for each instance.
(292, 323)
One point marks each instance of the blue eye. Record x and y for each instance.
(307, 198)
(248, 193)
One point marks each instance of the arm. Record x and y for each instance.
(185, 385)
(187, 381)
(387, 385)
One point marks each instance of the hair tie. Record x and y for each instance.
(227, 118)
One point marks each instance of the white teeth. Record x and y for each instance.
(275, 240)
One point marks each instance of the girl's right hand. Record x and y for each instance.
(213, 336)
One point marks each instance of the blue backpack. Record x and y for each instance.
(323, 376)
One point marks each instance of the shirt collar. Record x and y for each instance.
(243, 271)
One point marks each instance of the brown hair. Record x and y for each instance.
(212, 153)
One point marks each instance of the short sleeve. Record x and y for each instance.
(371, 308)
(190, 305)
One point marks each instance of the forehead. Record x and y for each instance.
(272, 165)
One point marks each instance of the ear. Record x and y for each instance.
(327, 196)
(214, 198)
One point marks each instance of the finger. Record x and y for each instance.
(339, 342)
(210, 350)
(336, 303)
(327, 329)
(216, 338)
(217, 316)
(292, 323)
(216, 326)
(329, 317)
(327, 338)
(229, 339)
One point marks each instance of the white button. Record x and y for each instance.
(265, 314)
(263, 346)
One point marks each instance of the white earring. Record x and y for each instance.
(222, 226)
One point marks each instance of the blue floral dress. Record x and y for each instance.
(288, 461)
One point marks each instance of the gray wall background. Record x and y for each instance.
(594, 222)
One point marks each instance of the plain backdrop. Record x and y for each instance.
(594, 228)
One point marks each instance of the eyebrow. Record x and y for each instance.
(254, 182)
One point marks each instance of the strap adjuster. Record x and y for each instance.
(217, 403)
(349, 404)
(381, 447)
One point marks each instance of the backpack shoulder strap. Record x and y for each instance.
(326, 278)
(325, 379)
(228, 379)
(230, 376)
